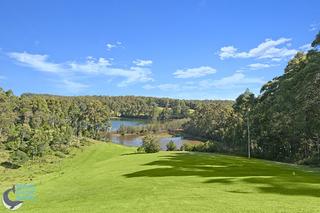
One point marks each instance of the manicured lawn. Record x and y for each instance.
(111, 178)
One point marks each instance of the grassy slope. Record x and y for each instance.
(109, 178)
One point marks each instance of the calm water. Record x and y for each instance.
(135, 140)
(116, 123)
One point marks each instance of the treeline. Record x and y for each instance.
(152, 108)
(282, 123)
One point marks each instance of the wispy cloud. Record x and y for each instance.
(237, 79)
(2, 77)
(194, 72)
(314, 27)
(142, 63)
(269, 49)
(36, 61)
(171, 87)
(91, 66)
(163, 87)
(258, 66)
(305, 47)
(72, 86)
(110, 46)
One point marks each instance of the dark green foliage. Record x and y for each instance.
(35, 125)
(316, 42)
(150, 144)
(60, 154)
(171, 146)
(210, 121)
(286, 116)
(208, 146)
(19, 157)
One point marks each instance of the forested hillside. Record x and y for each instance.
(35, 125)
(283, 121)
(32, 126)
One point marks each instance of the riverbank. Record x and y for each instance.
(135, 140)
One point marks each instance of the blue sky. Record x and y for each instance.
(192, 49)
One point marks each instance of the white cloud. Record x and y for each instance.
(305, 47)
(314, 27)
(139, 62)
(132, 75)
(36, 61)
(235, 80)
(228, 52)
(102, 66)
(168, 86)
(267, 49)
(163, 87)
(91, 66)
(148, 87)
(258, 66)
(194, 72)
(111, 46)
(2, 77)
(276, 59)
(171, 87)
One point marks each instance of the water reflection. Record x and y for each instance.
(136, 140)
(116, 123)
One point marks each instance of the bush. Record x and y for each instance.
(140, 149)
(150, 144)
(208, 146)
(18, 157)
(60, 154)
(311, 161)
(187, 147)
(171, 146)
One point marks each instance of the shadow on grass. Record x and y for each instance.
(133, 153)
(267, 177)
(9, 165)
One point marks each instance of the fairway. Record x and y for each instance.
(112, 178)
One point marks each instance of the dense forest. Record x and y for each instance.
(141, 107)
(35, 125)
(282, 123)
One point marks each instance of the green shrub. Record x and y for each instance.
(208, 146)
(171, 146)
(140, 149)
(60, 154)
(187, 147)
(18, 157)
(150, 144)
(311, 161)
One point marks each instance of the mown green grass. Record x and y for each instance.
(112, 178)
